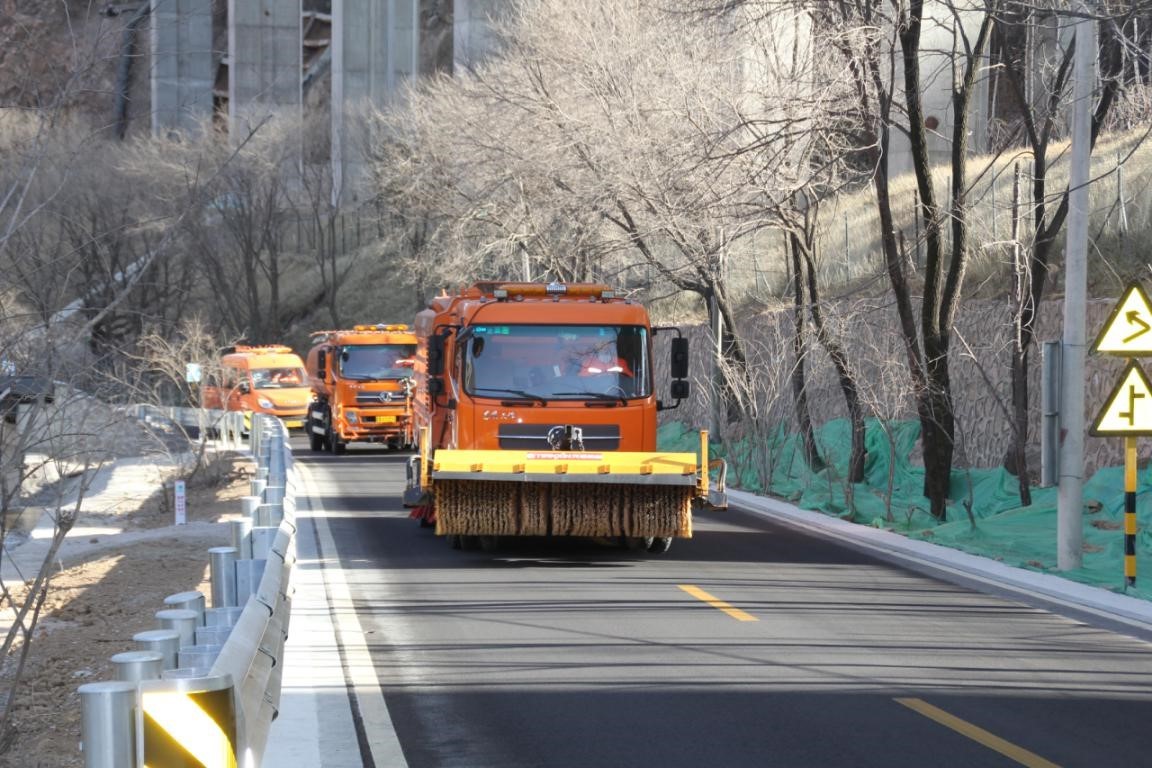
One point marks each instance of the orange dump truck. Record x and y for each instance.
(361, 385)
(537, 410)
(261, 379)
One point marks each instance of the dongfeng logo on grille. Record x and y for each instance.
(386, 397)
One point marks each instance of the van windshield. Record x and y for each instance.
(278, 378)
(563, 362)
(367, 362)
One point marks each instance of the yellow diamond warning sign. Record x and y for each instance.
(1128, 410)
(1129, 327)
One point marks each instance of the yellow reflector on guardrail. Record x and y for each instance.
(189, 723)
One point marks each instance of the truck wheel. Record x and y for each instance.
(334, 443)
(315, 441)
(454, 540)
(469, 543)
(638, 543)
(660, 545)
(489, 543)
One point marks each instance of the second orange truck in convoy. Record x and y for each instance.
(361, 382)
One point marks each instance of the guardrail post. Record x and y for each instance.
(182, 621)
(242, 536)
(107, 727)
(222, 568)
(164, 641)
(190, 601)
(134, 666)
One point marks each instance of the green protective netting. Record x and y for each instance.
(999, 527)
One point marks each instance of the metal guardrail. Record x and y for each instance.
(206, 682)
(227, 425)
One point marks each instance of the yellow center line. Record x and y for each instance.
(715, 602)
(977, 734)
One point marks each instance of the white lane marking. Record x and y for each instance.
(383, 744)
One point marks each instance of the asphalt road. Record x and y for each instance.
(748, 645)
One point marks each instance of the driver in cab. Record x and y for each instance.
(602, 361)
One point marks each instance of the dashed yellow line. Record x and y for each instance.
(716, 602)
(977, 734)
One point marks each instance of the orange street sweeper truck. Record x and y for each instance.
(536, 406)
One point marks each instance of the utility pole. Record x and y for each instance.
(1070, 498)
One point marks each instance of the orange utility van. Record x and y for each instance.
(262, 379)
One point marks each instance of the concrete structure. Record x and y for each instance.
(474, 31)
(265, 62)
(182, 66)
(940, 48)
(375, 47)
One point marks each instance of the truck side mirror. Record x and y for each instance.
(244, 387)
(679, 389)
(435, 355)
(322, 364)
(435, 386)
(679, 358)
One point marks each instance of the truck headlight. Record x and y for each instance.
(265, 403)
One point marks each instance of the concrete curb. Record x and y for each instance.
(1094, 600)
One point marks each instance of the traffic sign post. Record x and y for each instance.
(1130, 510)
(1127, 412)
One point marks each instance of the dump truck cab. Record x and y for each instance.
(533, 397)
(361, 381)
(261, 379)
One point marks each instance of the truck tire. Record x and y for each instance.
(315, 441)
(638, 543)
(335, 444)
(660, 545)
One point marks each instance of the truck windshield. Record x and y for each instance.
(367, 362)
(278, 378)
(558, 362)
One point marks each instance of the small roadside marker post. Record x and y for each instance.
(181, 504)
(1127, 412)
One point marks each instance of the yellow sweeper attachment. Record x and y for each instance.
(560, 493)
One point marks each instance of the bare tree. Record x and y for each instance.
(1039, 122)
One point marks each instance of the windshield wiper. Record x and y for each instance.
(597, 395)
(519, 392)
